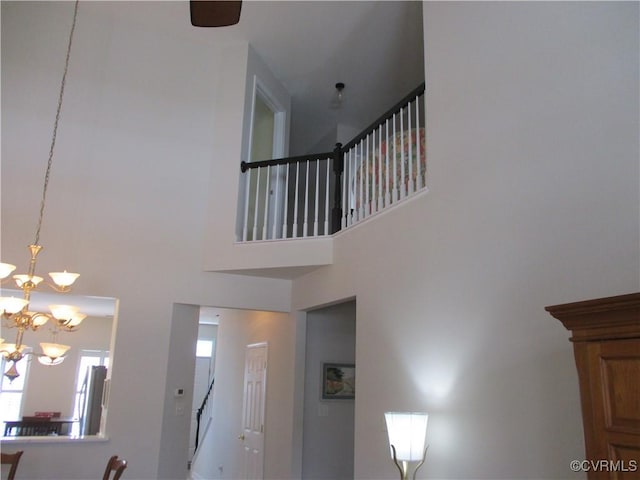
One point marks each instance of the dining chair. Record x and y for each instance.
(11, 459)
(115, 465)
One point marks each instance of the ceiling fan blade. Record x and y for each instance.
(221, 13)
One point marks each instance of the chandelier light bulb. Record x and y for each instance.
(338, 97)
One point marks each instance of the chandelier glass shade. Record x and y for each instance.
(14, 310)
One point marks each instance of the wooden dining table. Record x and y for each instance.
(35, 426)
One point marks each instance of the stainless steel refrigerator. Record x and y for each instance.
(91, 392)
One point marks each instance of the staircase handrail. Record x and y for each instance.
(200, 410)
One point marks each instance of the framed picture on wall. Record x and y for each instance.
(338, 381)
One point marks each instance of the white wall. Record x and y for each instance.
(532, 118)
(128, 193)
(221, 447)
(328, 424)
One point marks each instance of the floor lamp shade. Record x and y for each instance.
(407, 433)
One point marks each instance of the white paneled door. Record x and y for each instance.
(252, 436)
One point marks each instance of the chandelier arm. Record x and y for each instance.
(33, 325)
(57, 288)
(55, 124)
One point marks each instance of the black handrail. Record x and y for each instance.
(199, 413)
(419, 90)
(244, 166)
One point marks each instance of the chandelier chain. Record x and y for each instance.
(55, 124)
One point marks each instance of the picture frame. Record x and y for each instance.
(338, 381)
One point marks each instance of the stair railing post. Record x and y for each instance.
(338, 168)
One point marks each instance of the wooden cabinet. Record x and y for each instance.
(606, 345)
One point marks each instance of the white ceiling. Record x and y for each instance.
(374, 47)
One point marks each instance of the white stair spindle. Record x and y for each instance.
(387, 194)
(276, 203)
(317, 209)
(295, 204)
(353, 214)
(267, 194)
(367, 206)
(395, 162)
(361, 182)
(380, 177)
(372, 172)
(255, 211)
(419, 172)
(403, 185)
(305, 220)
(247, 187)
(345, 195)
(327, 212)
(286, 202)
(410, 142)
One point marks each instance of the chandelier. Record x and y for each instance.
(15, 311)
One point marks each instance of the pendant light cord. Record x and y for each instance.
(55, 124)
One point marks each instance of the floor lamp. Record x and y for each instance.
(407, 438)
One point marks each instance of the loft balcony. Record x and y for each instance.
(291, 210)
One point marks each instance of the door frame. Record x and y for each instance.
(279, 150)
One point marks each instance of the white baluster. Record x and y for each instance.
(315, 218)
(352, 184)
(276, 203)
(305, 222)
(387, 196)
(403, 186)
(257, 200)
(286, 203)
(295, 205)
(247, 187)
(395, 161)
(419, 174)
(267, 194)
(346, 158)
(380, 177)
(327, 212)
(367, 206)
(409, 133)
(374, 199)
(361, 182)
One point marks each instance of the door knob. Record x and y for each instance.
(241, 437)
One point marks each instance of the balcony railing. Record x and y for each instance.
(320, 194)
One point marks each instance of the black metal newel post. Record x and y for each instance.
(338, 168)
